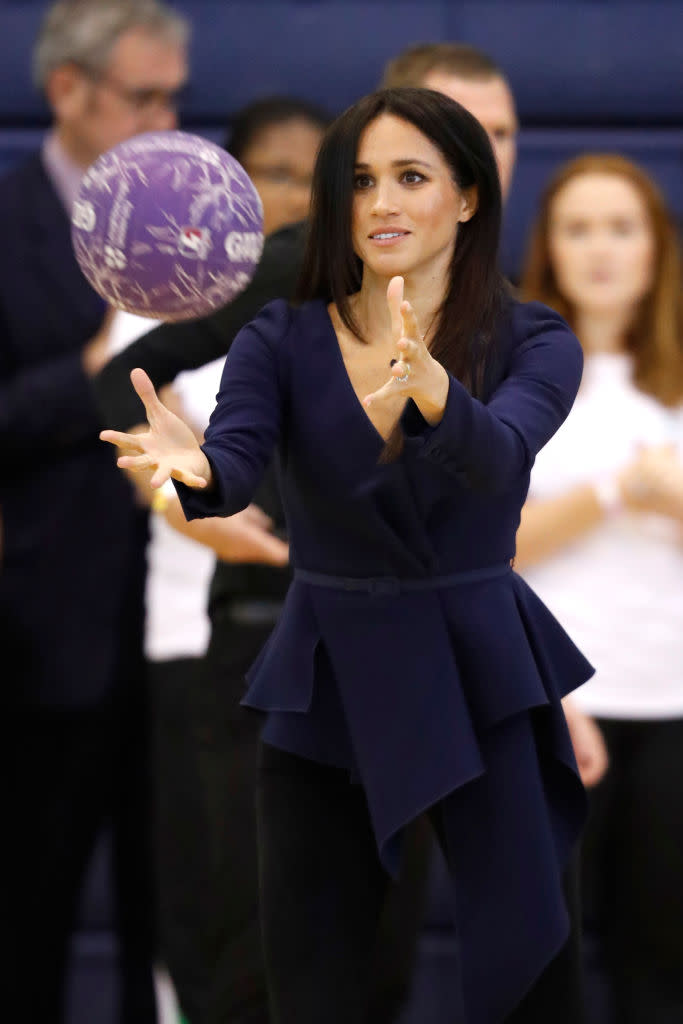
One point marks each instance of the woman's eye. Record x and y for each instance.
(413, 177)
(623, 227)
(362, 181)
(576, 230)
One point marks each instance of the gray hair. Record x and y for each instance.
(84, 32)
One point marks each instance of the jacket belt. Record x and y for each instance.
(392, 585)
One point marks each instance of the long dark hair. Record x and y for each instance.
(466, 323)
(248, 123)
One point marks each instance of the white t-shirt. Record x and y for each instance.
(618, 590)
(179, 569)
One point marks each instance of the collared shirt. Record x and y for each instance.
(64, 174)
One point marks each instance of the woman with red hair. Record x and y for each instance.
(601, 541)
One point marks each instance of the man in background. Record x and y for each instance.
(471, 78)
(71, 584)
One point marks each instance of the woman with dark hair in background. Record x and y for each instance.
(601, 540)
(276, 140)
(411, 670)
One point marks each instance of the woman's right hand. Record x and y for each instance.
(244, 537)
(169, 447)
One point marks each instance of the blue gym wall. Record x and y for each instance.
(587, 74)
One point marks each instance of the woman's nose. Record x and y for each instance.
(385, 199)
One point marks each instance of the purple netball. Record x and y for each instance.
(167, 225)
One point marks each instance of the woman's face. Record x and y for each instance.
(280, 163)
(406, 205)
(601, 244)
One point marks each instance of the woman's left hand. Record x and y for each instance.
(589, 744)
(416, 373)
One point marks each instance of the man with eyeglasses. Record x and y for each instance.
(71, 583)
(102, 94)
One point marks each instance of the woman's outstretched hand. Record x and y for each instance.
(415, 372)
(169, 447)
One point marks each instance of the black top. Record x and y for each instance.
(171, 348)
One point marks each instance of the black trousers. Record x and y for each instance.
(180, 832)
(632, 870)
(72, 772)
(226, 740)
(323, 889)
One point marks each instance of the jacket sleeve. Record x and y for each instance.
(246, 423)
(488, 446)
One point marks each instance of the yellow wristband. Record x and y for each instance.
(162, 497)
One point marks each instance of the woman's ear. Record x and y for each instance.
(470, 201)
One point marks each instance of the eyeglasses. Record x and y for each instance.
(141, 100)
(278, 175)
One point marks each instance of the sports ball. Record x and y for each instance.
(167, 225)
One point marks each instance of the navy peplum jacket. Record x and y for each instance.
(409, 652)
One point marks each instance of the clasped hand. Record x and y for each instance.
(169, 447)
(415, 374)
(653, 482)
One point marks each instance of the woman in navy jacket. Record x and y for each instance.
(411, 670)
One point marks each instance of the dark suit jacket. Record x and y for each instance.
(72, 533)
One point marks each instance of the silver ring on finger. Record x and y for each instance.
(404, 378)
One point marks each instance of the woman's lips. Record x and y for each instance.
(600, 276)
(385, 239)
